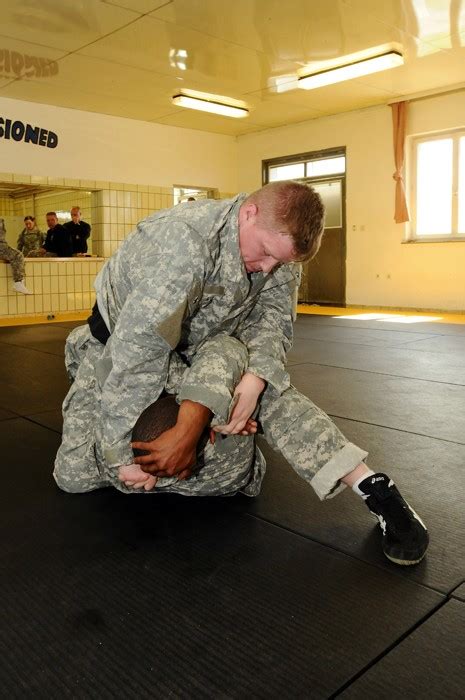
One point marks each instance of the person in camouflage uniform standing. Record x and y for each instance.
(198, 303)
(30, 238)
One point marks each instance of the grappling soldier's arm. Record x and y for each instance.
(148, 329)
(267, 331)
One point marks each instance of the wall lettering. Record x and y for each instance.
(19, 131)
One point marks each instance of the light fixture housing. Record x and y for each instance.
(211, 106)
(356, 69)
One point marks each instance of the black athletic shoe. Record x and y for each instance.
(405, 537)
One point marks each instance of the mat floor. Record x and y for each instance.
(112, 596)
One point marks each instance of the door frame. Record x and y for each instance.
(319, 155)
(343, 227)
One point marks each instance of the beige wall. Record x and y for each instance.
(100, 147)
(423, 275)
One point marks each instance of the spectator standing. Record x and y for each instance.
(79, 230)
(30, 238)
(58, 243)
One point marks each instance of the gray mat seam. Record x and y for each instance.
(388, 649)
(451, 594)
(395, 344)
(28, 347)
(395, 570)
(369, 328)
(370, 371)
(399, 430)
(41, 425)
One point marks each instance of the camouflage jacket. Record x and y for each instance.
(29, 241)
(174, 282)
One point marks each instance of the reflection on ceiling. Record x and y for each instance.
(130, 57)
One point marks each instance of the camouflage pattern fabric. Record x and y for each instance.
(176, 288)
(11, 255)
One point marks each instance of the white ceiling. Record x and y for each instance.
(113, 56)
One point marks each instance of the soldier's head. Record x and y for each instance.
(75, 215)
(279, 223)
(29, 222)
(158, 417)
(52, 219)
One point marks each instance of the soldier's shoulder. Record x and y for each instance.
(202, 216)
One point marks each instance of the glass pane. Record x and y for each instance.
(326, 166)
(461, 187)
(287, 172)
(331, 194)
(434, 187)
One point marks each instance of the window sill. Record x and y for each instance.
(436, 239)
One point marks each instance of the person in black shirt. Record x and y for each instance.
(79, 230)
(58, 243)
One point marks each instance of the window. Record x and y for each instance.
(183, 193)
(437, 202)
(323, 170)
(305, 168)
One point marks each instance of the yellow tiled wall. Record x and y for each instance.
(57, 286)
(62, 201)
(6, 207)
(117, 210)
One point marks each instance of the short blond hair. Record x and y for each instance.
(292, 209)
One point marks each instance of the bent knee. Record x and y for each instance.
(227, 346)
(69, 485)
(74, 480)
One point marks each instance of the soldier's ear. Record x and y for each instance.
(251, 210)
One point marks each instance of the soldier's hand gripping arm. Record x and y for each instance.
(148, 329)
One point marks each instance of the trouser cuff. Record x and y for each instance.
(327, 481)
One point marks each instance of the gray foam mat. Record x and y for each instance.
(357, 336)
(447, 344)
(400, 362)
(459, 592)
(48, 339)
(427, 664)
(424, 327)
(113, 596)
(429, 474)
(428, 408)
(30, 380)
(49, 419)
(6, 415)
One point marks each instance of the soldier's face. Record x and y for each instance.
(262, 250)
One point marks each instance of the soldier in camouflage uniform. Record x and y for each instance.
(198, 302)
(16, 260)
(31, 238)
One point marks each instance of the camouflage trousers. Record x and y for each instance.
(292, 425)
(15, 258)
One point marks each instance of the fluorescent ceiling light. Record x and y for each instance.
(351, 70)
(210, 106)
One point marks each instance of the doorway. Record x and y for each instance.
(324, 277)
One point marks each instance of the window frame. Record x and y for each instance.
(411, 187)
(304, 158)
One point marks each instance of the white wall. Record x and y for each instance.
(100, 147)
(428, 276)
